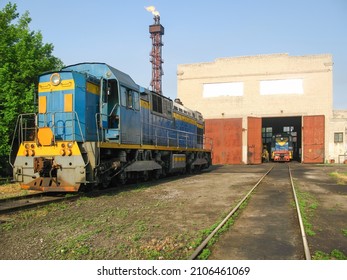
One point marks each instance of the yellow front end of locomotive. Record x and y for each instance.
(50, 168)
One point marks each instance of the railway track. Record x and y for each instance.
(14, 204)
(17, 203)
(268, 228)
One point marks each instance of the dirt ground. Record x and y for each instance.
(165, 219)
(326, 197)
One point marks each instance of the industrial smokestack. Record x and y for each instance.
(156, 30)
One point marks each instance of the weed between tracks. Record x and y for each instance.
(334, 255)
(204, 255)
(307, 204)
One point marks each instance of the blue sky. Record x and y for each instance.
(116, 32)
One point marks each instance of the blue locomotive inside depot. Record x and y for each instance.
(96, 102)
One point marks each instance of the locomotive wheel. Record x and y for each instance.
(122, 178)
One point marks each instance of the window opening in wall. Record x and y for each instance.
(295, 138)
(267, 134)
(288, 129)
(338, 137)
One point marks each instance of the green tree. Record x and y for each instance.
(23, 56)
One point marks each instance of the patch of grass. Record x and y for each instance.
(140, 229)
(319, 255)
(205, 254)
(7, 226)
(334, 255)
(344, 232)
(308, 204)
(152, 254)
(82, 199)
(75, 247)
(340, 177)
(139, 188)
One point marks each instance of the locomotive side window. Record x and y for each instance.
(162, 105)
(104, 91)
(136, 99)
(123, 97)
(129, 98)
(157, 104)
(167, 108)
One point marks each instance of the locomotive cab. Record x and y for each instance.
(109, 108)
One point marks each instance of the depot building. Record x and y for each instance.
(246, 100)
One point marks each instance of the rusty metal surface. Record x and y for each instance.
(254, 140)
(313, 139)
(45, 184)
(227, 140)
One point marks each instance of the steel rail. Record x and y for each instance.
(19, 197)
(302, 229)
(208, 238)
(14, 204)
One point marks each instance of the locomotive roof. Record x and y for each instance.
(103, 70)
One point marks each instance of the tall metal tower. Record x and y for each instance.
(156, 30)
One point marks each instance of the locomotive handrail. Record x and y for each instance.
(98, 127)
(73, 123)
(97, 138)
(179, 134)
(113, 109)
(188, 138)
(19, 129)
(74, 116)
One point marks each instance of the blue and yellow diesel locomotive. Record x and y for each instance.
(282, 147)
(95, 124)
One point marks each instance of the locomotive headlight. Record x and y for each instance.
(70, 144)
(27, 146)
(55, 79)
